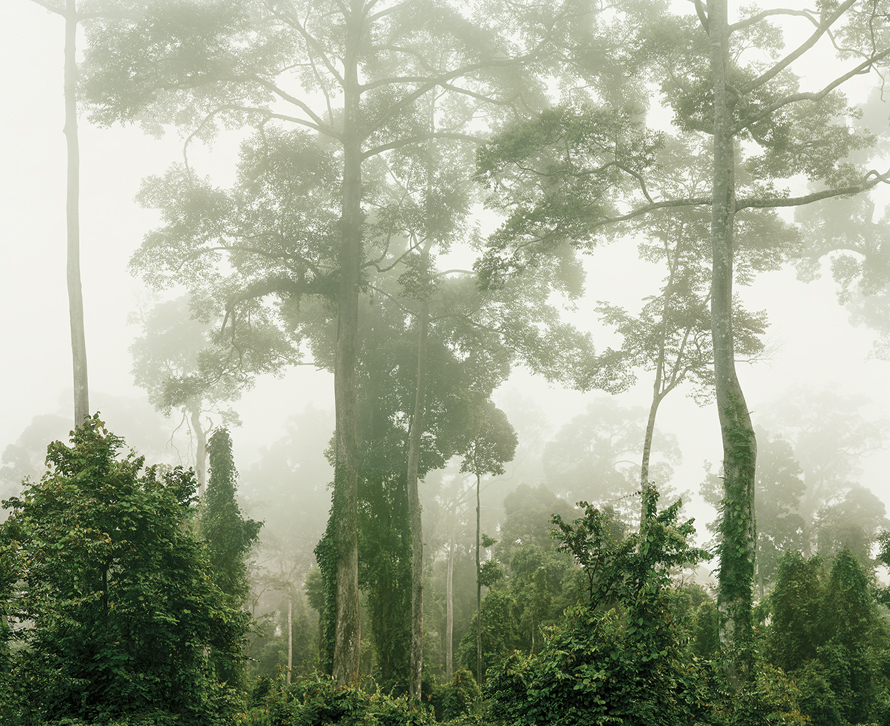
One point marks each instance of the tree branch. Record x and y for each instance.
(800, 50)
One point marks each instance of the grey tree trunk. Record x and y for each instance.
(290, 636)
(347, 639)
(449, 612)
(736, 576)
(75, 293)
(478, 586)
(200, 447)
(414, 439)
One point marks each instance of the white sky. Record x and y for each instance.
(815, 345)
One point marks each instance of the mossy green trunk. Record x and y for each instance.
(737, 527)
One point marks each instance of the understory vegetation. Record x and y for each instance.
(125, 607)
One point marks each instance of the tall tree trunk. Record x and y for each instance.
(414, 439)
(449, 612)
(478, 585)
(737, 551)
(347, 643)
(290, 636)
(200, 447)
(75, 293)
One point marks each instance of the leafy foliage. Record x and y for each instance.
(318, 700)
(623, 665)
(826, 632)
(229, 538)
(115, 608)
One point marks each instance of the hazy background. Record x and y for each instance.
(812, 342)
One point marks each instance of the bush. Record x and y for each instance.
(317, 700)
(458, 698)
(114, 607)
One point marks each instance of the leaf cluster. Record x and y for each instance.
(113, 605)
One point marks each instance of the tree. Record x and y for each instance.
(172, 363)
(852, 523)
(229, 538)
(493, 443)
(596, 456)
(115, 604)
(368, 66)
(827, 632)
(830, 432)
(67, 9)
(625, 663)
(561, 193)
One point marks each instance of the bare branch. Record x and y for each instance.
(800, 50)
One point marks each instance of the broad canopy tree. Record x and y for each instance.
(764, 130)
(351, 76)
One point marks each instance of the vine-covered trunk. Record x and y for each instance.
(72, 208)
(347, 639)
(737, 528)
(414, 439)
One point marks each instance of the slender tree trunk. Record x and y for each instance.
(347, 643)
(75, 293)
(449, 612)
(290, 637)
(647, 446)
(737, 528)
(414, 439)
(478, 585)
(200, 447)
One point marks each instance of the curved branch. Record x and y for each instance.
(823, 28)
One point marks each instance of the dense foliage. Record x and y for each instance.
(113, 603)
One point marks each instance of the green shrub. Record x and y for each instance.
(318, 701)
(115, 609)
(770, 697)
(457, 698)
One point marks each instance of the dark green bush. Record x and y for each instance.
(114, 607)
(318, 701)
(457, 698)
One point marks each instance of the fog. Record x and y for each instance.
(811, 343)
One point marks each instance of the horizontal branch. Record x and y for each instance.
(871, 180)
(420, 138)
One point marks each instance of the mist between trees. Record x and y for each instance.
(341, 577)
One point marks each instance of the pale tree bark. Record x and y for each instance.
(194, 410)
(347, 639)
(290, 637)
(449, 611)
(414, 440)
(72, 206)
(735, 596)
(478, 583)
